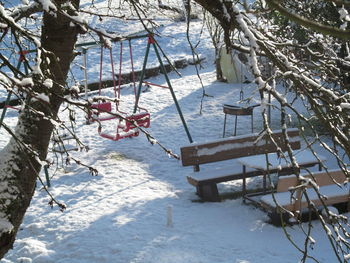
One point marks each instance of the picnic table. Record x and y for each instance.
(274, 163)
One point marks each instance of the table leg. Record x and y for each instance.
(223, 133)
(235, 127)
(244, 187)
(196, 168)
(252, 122)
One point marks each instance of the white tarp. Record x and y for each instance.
(233, 68)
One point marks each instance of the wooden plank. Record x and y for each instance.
(301, 204)
(284, 183)
(331, 200)
(230, 148)
(192, 181)
(225, 178)
(229, 174)
(321, 178)
(324, 178)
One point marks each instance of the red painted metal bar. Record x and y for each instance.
(157, 85)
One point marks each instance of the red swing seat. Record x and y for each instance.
(142, 119)
(98, 109)
(127, 128)
(103, 107)
(119, 135)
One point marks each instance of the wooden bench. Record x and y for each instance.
(232, 148)
(287, 201)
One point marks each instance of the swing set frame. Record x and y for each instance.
(132, 122)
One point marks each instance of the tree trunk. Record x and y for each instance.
(218, 69)
(19, 168)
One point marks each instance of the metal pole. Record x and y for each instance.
(142, 76)
(235, 131)
(269, 109)
(26, 67)
(18, 65)
(84, 50)
(172, 91)
(47, 176)
(223, 133)
(98, 43)
(273, 84)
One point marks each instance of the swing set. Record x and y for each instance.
(127, 125)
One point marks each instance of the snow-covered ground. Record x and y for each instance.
(121, 215)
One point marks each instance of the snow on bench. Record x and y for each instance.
(233, 148)
(332, 186)
(219, 175)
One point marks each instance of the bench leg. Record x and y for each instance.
(244, 184)
(208, 192)
(279, 220)
(252, 122)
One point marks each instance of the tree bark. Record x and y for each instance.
(221, 11)
(19, 168)
(218, 69)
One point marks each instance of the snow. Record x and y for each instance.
(49, 83)
(285, 198)
(8, 191)
(234, 145)
(345, 105)
(5, 225)
(47, 5)
(140, 208)
(228, 170)
(259, 161)
(42, 97)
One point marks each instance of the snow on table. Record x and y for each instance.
(275, 162)
(286, 198)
